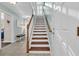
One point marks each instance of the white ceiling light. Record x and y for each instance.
(13, 2)
(25, 16)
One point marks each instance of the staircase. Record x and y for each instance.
(39, 40)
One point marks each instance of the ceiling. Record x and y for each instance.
(72, 5)
(25, 8)
(21, 8)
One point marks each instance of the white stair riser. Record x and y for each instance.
(39, 41)
(40, 27)
(39, 32)
(39, 36)
(33, 45)
(39, 51)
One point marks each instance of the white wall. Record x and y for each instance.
(13, 25)
(66, 27)
(65, 40)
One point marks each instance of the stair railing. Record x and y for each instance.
(29, 30)
(49, 28)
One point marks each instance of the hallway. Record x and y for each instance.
(39, 45)
(39, 29)
(15, 49)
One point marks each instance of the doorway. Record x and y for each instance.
(5, 29)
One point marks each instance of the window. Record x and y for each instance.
(64, 10)
(39, 10)
(2, 16)
(73, 13)
(48, 4)
(46, 10)
(56, 7)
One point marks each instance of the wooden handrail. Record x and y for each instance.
(30, 21)
(28, 25)
(50, 30)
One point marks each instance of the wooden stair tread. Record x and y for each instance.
(39, 49)
(39, 31)
(41, 38)
(39, 43)
(39, 34)
(39, 28)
